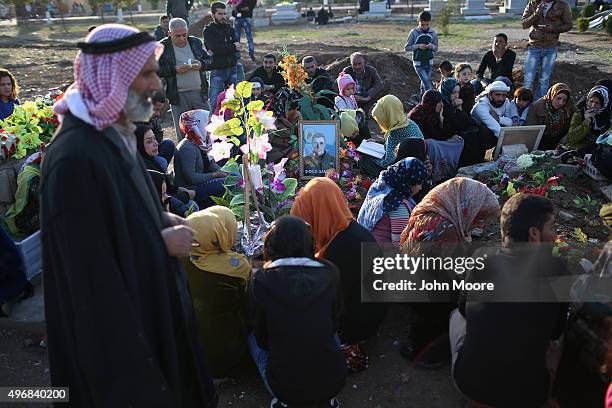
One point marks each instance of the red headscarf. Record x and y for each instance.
(103, 80)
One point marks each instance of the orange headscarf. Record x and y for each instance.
(553, 91)
(322, 204)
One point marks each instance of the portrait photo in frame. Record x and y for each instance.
(318, 148)
(530, 136)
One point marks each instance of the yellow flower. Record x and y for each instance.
(30, 107)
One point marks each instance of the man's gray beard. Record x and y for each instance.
(138, 107)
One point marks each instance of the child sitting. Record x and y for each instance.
(346, 88)
(522, 100)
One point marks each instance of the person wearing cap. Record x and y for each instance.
(181, 66)
(118, 311)
(269, 75)
(494, 110)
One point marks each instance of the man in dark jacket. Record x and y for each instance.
(318, 77)
(161, 31)
(499, 61)
(243, 15)
(269, 74)
(182, 66)
(502, 339)
(369, 86)
(179, 9)
(220, 40)
(118, 311)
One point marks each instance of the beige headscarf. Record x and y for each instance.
(215, 230)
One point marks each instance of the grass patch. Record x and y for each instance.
(604, 55)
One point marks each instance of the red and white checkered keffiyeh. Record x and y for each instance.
(103, 80)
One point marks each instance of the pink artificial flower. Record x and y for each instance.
(230, 93)
(279, 169)
(356, 156)
(266, 119)
(261, 145)
(221, 150)
(215, 122)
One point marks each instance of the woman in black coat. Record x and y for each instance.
(295, 299)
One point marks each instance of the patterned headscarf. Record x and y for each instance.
(103, 80)
(390, 189)
(557, 116)
(425, 112)
(193, 124)
(459, 200)
(601, 121)
(447, 87)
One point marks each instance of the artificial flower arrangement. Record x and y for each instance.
(537, 177)
(354, 185)
(31, 125)
(274, 191)
(295, 76)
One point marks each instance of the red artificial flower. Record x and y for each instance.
(366, 183)
(553, 181)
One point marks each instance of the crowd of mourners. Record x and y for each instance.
(299, 317)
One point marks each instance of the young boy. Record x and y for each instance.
(522, 99)
(423, 42)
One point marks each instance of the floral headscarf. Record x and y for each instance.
(459, 200)
(601, 121)
(557, 117)
(193, 124)
(390, 189)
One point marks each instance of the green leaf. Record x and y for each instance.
(233, 104)
(231, 166)
(325, 92)
(255, 105)
(237, 200)
(234, 140)
(244, 89)
(219, 200)
(231, 181)
(307, 110)
(291, 185)
(324, 111)
(557, 188)
(238, 212)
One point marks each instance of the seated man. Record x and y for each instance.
(318, 77)
(369, 86)
(506, 345)
(269, 75)
(499, 60)
(494, 110)
(319, 160)
(161, 31)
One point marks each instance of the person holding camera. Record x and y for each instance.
(546, 19)
(181, 66)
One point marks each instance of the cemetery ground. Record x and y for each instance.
(41, 57)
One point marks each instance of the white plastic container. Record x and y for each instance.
(30, 250)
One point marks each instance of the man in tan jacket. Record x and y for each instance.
(546, 19)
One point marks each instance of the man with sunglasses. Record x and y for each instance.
(181, 66)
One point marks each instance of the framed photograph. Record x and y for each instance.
(530, 136)
(318, 148)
